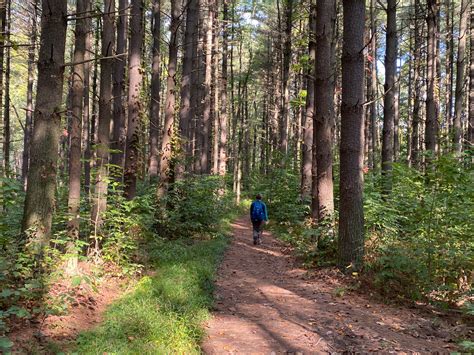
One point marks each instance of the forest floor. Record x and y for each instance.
(264, 302)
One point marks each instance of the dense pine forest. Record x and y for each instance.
(134, 132)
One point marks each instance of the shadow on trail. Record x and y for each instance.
(265, 303)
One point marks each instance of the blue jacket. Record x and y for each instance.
(265, 218)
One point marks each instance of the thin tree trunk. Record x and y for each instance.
(471, 82)
(417, 75)
(373, 87)
(29, 93)
(40, 193)
(155, 91)
(119, 132)
(7, 104)
(431, 123)
(135, 79)
(105, 116)
(223, 96)
(86, 116)
(351, 215)
(206, 117)
(77, 93)
(285, 108)
(390, 100)
(166, 145)
(460, 77)
(3, 26)
(186, 112)
(324, 102)
(306, 174)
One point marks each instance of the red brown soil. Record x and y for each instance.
(85, 309)
(266, 303)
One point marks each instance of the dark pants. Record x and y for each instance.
(257, 226)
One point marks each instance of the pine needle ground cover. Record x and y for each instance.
(166, 311)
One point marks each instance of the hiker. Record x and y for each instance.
(258, 216)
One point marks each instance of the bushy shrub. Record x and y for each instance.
(194, 207)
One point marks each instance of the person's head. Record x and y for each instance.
(258, 197)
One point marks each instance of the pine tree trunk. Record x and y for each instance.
(431, 123)
(471, 82)
(324, 102)
(86, 116)
(185, 113)
(460, 77)
(155, 91)
(135, 79)
(119, 133)
(3, 27)
(29, 93)
(166, 144)
(373, 87)
(40, 193)
(7, 103)
(390, 100)
(417, 75)
(77, 93)
(351, 214)
(306, 173)
(285, 107)
(223, 96)
(206, 117)
(105, 116)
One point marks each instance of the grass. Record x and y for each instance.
(164, 313)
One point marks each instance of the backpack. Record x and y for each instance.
(258, 214)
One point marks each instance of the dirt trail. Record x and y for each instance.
(265, 303)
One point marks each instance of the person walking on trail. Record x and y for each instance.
(258, 216)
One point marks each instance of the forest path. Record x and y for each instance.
(264, 303)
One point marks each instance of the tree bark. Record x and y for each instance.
(155, 91)
(7, 103)
(390, 99)
(40, 193)
(135, 79)
(166, 145)
(431, 123)
(471, 82)
(351, 214)
(460, 77)
(77, 93)
(119, 131)
(324, 102)
(186, 112)
(206, 117)
(285, 107)
(105, 116)
(29, 93)
(223, 95)
(307, 159)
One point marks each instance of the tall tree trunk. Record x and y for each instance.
(86, 115)
(3, 26)
(166, 144)
(206, 117)
(105, 116)
(215, 86)
(7, 104)
(306, 173)
(134, 106)
(351, 214)
(285, 108)
(77, 93)
(460, 77)
(431, 123)
(186, 111)
(373, 87)
(119, 132)
(449, 6)
(223, 96)
(29, 93)
(417, 75)
(471, 82)
(40, 193)
(324, 102)
(155, 91)
(390, 100)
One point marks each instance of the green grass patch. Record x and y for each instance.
(164, 313)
